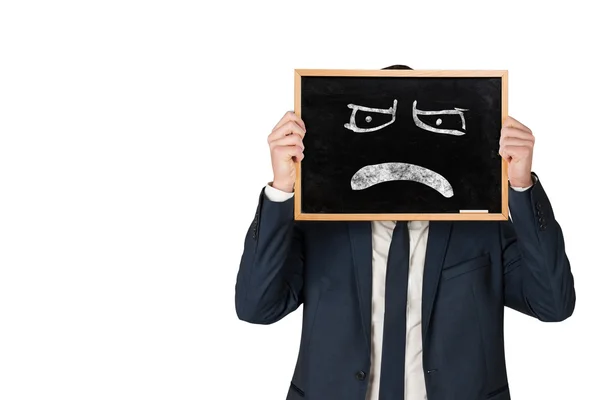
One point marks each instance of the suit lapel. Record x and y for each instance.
(362, 256)
(437, 242)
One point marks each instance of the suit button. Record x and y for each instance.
(538, 205)
(542, 220)
(540, 213)
(360, 375)
(542, 227)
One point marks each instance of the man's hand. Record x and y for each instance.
(287, 148)
(516, 147)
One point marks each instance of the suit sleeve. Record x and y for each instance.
(270, 277)
(537, 273)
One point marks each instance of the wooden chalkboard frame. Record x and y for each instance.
(465, 216)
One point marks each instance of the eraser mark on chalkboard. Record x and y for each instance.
(474, 211)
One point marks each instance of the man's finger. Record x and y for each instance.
(518, 152)
(289, 140)
(515, 132)
(288, 128)
(510, 122)
(287, 152)
(290, 116)
(515, 141)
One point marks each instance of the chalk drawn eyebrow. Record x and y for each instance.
(457, 111)
(355, 108)
(371, 175)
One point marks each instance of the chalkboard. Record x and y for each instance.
(401, 145)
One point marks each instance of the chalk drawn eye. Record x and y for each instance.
(446, 122)
(371, 114)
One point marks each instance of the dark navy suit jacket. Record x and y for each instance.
(472, 270)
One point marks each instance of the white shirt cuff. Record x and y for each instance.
(522, 189)
(277, 195)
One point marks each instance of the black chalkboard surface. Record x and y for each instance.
(401, 145)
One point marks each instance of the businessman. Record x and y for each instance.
(397, 310)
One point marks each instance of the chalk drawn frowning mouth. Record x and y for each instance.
(371, 175)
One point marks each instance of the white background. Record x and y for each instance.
(133, 150)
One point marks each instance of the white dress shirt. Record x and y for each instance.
(414, 377)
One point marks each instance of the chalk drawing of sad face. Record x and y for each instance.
(371, 175)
